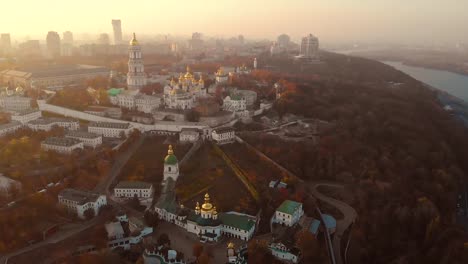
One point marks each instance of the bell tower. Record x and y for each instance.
(136, 77)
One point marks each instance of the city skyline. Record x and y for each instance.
(334, 21)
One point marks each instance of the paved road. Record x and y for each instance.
(51, 240)
(102, 187)
(342, 225)
(119, 163)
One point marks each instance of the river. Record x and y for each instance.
(452, 83)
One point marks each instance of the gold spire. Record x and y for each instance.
(197, 207)
(207, 206)
(170, 151)
(201, 81)
(214, 210)
(230, 245)
(134, 41)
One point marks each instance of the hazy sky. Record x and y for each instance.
(331, 20)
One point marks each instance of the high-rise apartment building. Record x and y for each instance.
(117, 27)
(53, 44)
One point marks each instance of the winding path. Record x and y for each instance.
(348, 212)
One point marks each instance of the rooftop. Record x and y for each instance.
(82, 134)
(61, 141)
(133, 185)
(223, 130)
(51, 120)
(114, 229)
(109, 125)
(10, 125)
(289, 207)
(26, 112)
(236, 220)
(79, 196)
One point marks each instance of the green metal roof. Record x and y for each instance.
(114, 91)
(288, 207)
(242, 222)
(170, 159)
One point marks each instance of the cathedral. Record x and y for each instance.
(204, 220)
(183, 93)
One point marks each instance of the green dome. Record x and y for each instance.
(170, 159)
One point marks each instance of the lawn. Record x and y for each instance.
(147, 164)
(207, 172)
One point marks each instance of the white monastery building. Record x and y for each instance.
(78, 202)
(46, 124)
(288, 213)
(130, 189)
(189, 135)
(8, 128)
(223, 135)
(62, 145)
(110, 129)
(89, 139)
(26, 116)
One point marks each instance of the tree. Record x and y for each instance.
(197, 249)
(204, 259)
(259, 252)
(192, 115)
(163, 240)
(89, 213)
(308, 245)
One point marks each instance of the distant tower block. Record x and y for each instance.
(171, 165)
(255, 63)
(136, 77)
(117, 27)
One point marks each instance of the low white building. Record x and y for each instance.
(284, 247)
(130, 189)
(124, 232)
(147, 103)
(234, 103)
(8, 128)
(133, 100)
(89, 139)
(223, 135)
(110, 129)
(15, 103)
(8, 186)
(249, 96)
(189, 135)
(78, 202)
(26, 116)
(61, 144)
(112, 112)
(288, 213)
(46, 124)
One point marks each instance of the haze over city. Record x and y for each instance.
(234, 132)
(397, 21)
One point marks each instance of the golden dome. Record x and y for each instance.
(207, 206)
(173, 82)
(197, 207)
(201, 81)
(220, 71)
(214, 210)
(134, 41)
(230, 245)
(170, 151)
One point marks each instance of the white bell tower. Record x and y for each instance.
(136, 77)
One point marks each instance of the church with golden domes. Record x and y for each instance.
(182, 93)
(204, 220)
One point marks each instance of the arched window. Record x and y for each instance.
(169, 169)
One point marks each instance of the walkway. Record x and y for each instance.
(350, 215)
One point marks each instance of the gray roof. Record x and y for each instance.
(109, 125)
(82, 134)
(223, 129)
(51, 120)
(26, 112)
(79, 196)
(61, 141)
(133, 185)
